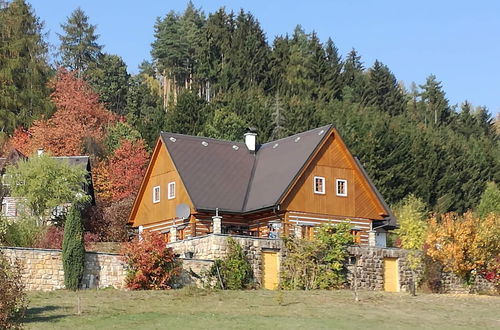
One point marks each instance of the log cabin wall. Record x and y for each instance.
(258, 223)
(301, 219)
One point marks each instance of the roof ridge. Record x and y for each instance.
(250, 181)
(297, 134)
(201, 137)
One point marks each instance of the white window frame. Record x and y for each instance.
(171, 190)
(154, 194)
(337, 181)
(323, 185)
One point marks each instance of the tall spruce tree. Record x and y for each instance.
(332, 89)
(383, 90)
(73, 249)
(144, 107)
(109, 78)
(79, 44)
(436, 107)
(24, 70)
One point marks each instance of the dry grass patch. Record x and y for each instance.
(194, 308)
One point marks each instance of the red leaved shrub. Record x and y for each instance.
(52, 238)
(109, 223)
(151, 265)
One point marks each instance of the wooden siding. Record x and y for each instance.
(333, 161)
(160, 172)
(314, 219)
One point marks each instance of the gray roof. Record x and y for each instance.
(277, 165)
(215, 175)
(82, 161)
(225, 175)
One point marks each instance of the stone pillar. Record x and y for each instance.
(141, 229)
(217, 224)
(372, 238)
(173, 234)
(298, 231)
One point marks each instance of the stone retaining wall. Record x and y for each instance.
(370, 262)
(370, 267)
(42, 269)
(215, 246)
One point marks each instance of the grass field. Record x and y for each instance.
(198, 309)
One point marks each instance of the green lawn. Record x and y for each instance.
(194, 308)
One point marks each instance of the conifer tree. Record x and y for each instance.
(333, 80)
(24, 71)
(79, 45)
(383, 90)
(108, 77)
(73, 249)
(437, 110)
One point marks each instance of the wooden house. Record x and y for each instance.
(291, 185)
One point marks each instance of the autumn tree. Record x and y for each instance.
(465, 245)
(126, 168)
(79, 116)
(412, 231)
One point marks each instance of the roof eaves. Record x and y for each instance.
(391, 218)
(165, 145)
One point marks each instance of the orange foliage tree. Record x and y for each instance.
(79, 116)
(100, 180)
(465, 245)
(126, 167)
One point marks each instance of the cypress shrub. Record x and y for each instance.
(73, 249)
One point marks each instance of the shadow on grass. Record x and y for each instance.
(35, 314)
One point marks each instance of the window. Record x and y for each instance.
(341, 187)
(156, 194)
(319, 185)
(171, 190)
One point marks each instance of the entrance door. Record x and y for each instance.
(391, 275)
(270, 270)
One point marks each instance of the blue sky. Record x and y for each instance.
(458, 41)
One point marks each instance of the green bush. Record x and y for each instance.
(234, 270)
(73, 249)
(13, 300)
(22, 231)
(317, 263)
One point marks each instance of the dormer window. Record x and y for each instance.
(319, 185)
(171, 190)
(341, 187)
(156, 194)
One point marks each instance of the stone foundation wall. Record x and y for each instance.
(215, 246)
(370, 272)
(42, 269)
(370, 262)
(370, 267)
